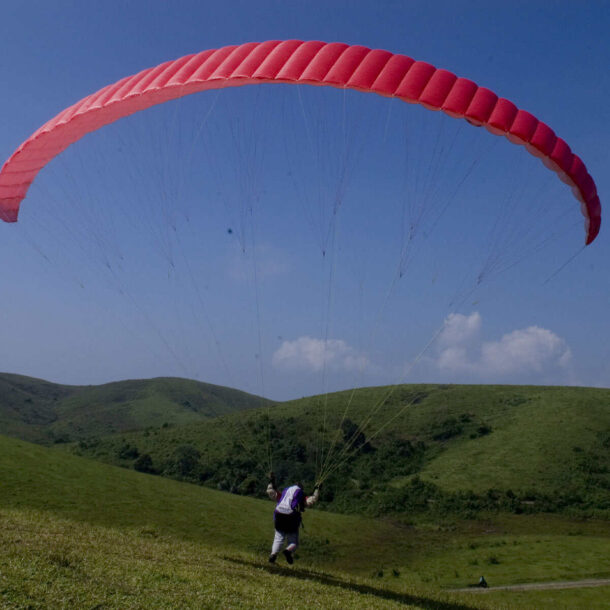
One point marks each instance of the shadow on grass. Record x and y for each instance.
(326, 579)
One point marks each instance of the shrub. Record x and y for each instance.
(128, 452)
(447, 429)
(144, 464)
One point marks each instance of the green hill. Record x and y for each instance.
(76, 532)
(428, 448)
(416, 449)
(44, 412)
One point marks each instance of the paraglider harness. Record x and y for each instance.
(287, 515)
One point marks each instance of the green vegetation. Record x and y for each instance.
(76, 532)
(43, 412)
(48, 562)
(509, 482)
(450, 450)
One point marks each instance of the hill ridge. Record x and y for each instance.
(47, 412)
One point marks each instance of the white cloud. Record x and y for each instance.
(460, 329)
(453, 359)
(531, 353)
(529, 349)
(310, 354)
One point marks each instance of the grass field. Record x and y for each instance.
(50, 562)
(76, 532)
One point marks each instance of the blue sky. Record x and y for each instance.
(149, 251)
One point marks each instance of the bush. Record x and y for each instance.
(144, 464)
(483, 430)
(447, 429)
(185, 462)
(128, 452)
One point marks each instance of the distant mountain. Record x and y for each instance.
(44, 412)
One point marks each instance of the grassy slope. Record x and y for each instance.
(539, 442)
(40, 411)
(168, 542)
(50, 562)
(541, 438)
(534, 431)
(28, 405)
(38, 478)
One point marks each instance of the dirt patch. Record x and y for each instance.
(539, 586)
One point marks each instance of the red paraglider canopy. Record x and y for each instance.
(294, 61)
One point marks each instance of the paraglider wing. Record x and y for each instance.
(294, 61)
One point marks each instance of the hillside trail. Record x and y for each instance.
(539, 586)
